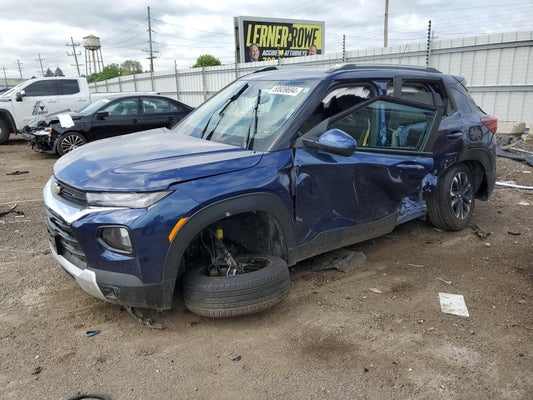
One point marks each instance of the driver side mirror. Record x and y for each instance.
(101, 114)
(20, 95)
(334, 141)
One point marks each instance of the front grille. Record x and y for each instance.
(70, 193)
(63, 240)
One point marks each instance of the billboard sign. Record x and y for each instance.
(261, 39)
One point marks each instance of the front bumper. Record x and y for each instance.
(40, 140)
(114, 287)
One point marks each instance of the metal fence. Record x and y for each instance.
(498, 69)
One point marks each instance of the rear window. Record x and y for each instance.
(68, 86)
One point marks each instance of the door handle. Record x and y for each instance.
(410, 167)
(455, 135)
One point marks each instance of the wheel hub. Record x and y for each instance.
(461, 195)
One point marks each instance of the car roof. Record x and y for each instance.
(344, 71)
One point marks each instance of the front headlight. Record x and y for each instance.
(125, 199)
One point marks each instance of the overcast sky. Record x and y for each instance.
(183, 29)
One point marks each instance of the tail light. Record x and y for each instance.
(491, 123)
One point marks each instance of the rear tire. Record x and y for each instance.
(4, 132)
(241, 294)
(69, 141)
(452, 203)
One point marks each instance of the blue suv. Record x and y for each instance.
(279, 166)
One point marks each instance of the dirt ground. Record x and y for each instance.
(375, 332)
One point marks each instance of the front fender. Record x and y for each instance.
(222, 209)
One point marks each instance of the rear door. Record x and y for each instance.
(160, 112)
(69, 94)
(342, 200)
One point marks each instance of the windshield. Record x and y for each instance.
(247, 114)
(94, 106)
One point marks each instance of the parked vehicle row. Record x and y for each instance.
(104, 118)
(38, 97)
(279, 166)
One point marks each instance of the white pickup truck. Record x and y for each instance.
(41, 96)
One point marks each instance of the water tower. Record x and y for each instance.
(94, 62)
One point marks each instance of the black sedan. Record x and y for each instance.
(106, 117)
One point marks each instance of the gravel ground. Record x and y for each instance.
(374, 332)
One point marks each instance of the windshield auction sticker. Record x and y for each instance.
(286, 90)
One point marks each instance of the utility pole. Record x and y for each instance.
(41, 62)
(20, 69)
(386, 26)
(151, 52)
(74, 45)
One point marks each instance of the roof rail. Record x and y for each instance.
(346, 67)
(271, 68)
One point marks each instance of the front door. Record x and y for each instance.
(342, 200)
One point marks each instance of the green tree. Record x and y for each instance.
(110, 71)
(48, 73)
(92, 78)
(130, 67)
(58, 72)
(206, 60)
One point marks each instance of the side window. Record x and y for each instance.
(338, 100)
(124, 107)
(157, 106)
(41, 88)
(386, 124)
(68, 86)
(432, 93)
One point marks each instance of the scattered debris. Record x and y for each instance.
(509, 153)
(366, 370)
(343, 260)
(45, 252)
(487, 244)
(89, 396)
(18, 172)
(444, 280)
(483, 235)
(141, 318)
(11, 209)
(236, 358)
(375, 290)
(417, 265)
(511, 184)
(37, 371)
(91, 333)
(453, 304)
(523, 203)
(438, 229)
(434, 240)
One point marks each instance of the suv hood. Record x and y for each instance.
(148, 161)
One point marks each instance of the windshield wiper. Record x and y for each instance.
(225, 105)
(250, 138)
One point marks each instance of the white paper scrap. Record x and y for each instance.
(453, 304)
(65, 120)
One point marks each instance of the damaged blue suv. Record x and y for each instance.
(279, 166)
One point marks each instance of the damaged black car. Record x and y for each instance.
(110, 116)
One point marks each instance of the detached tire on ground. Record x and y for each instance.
(241, 294)
(451, 204)
(69, 141)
